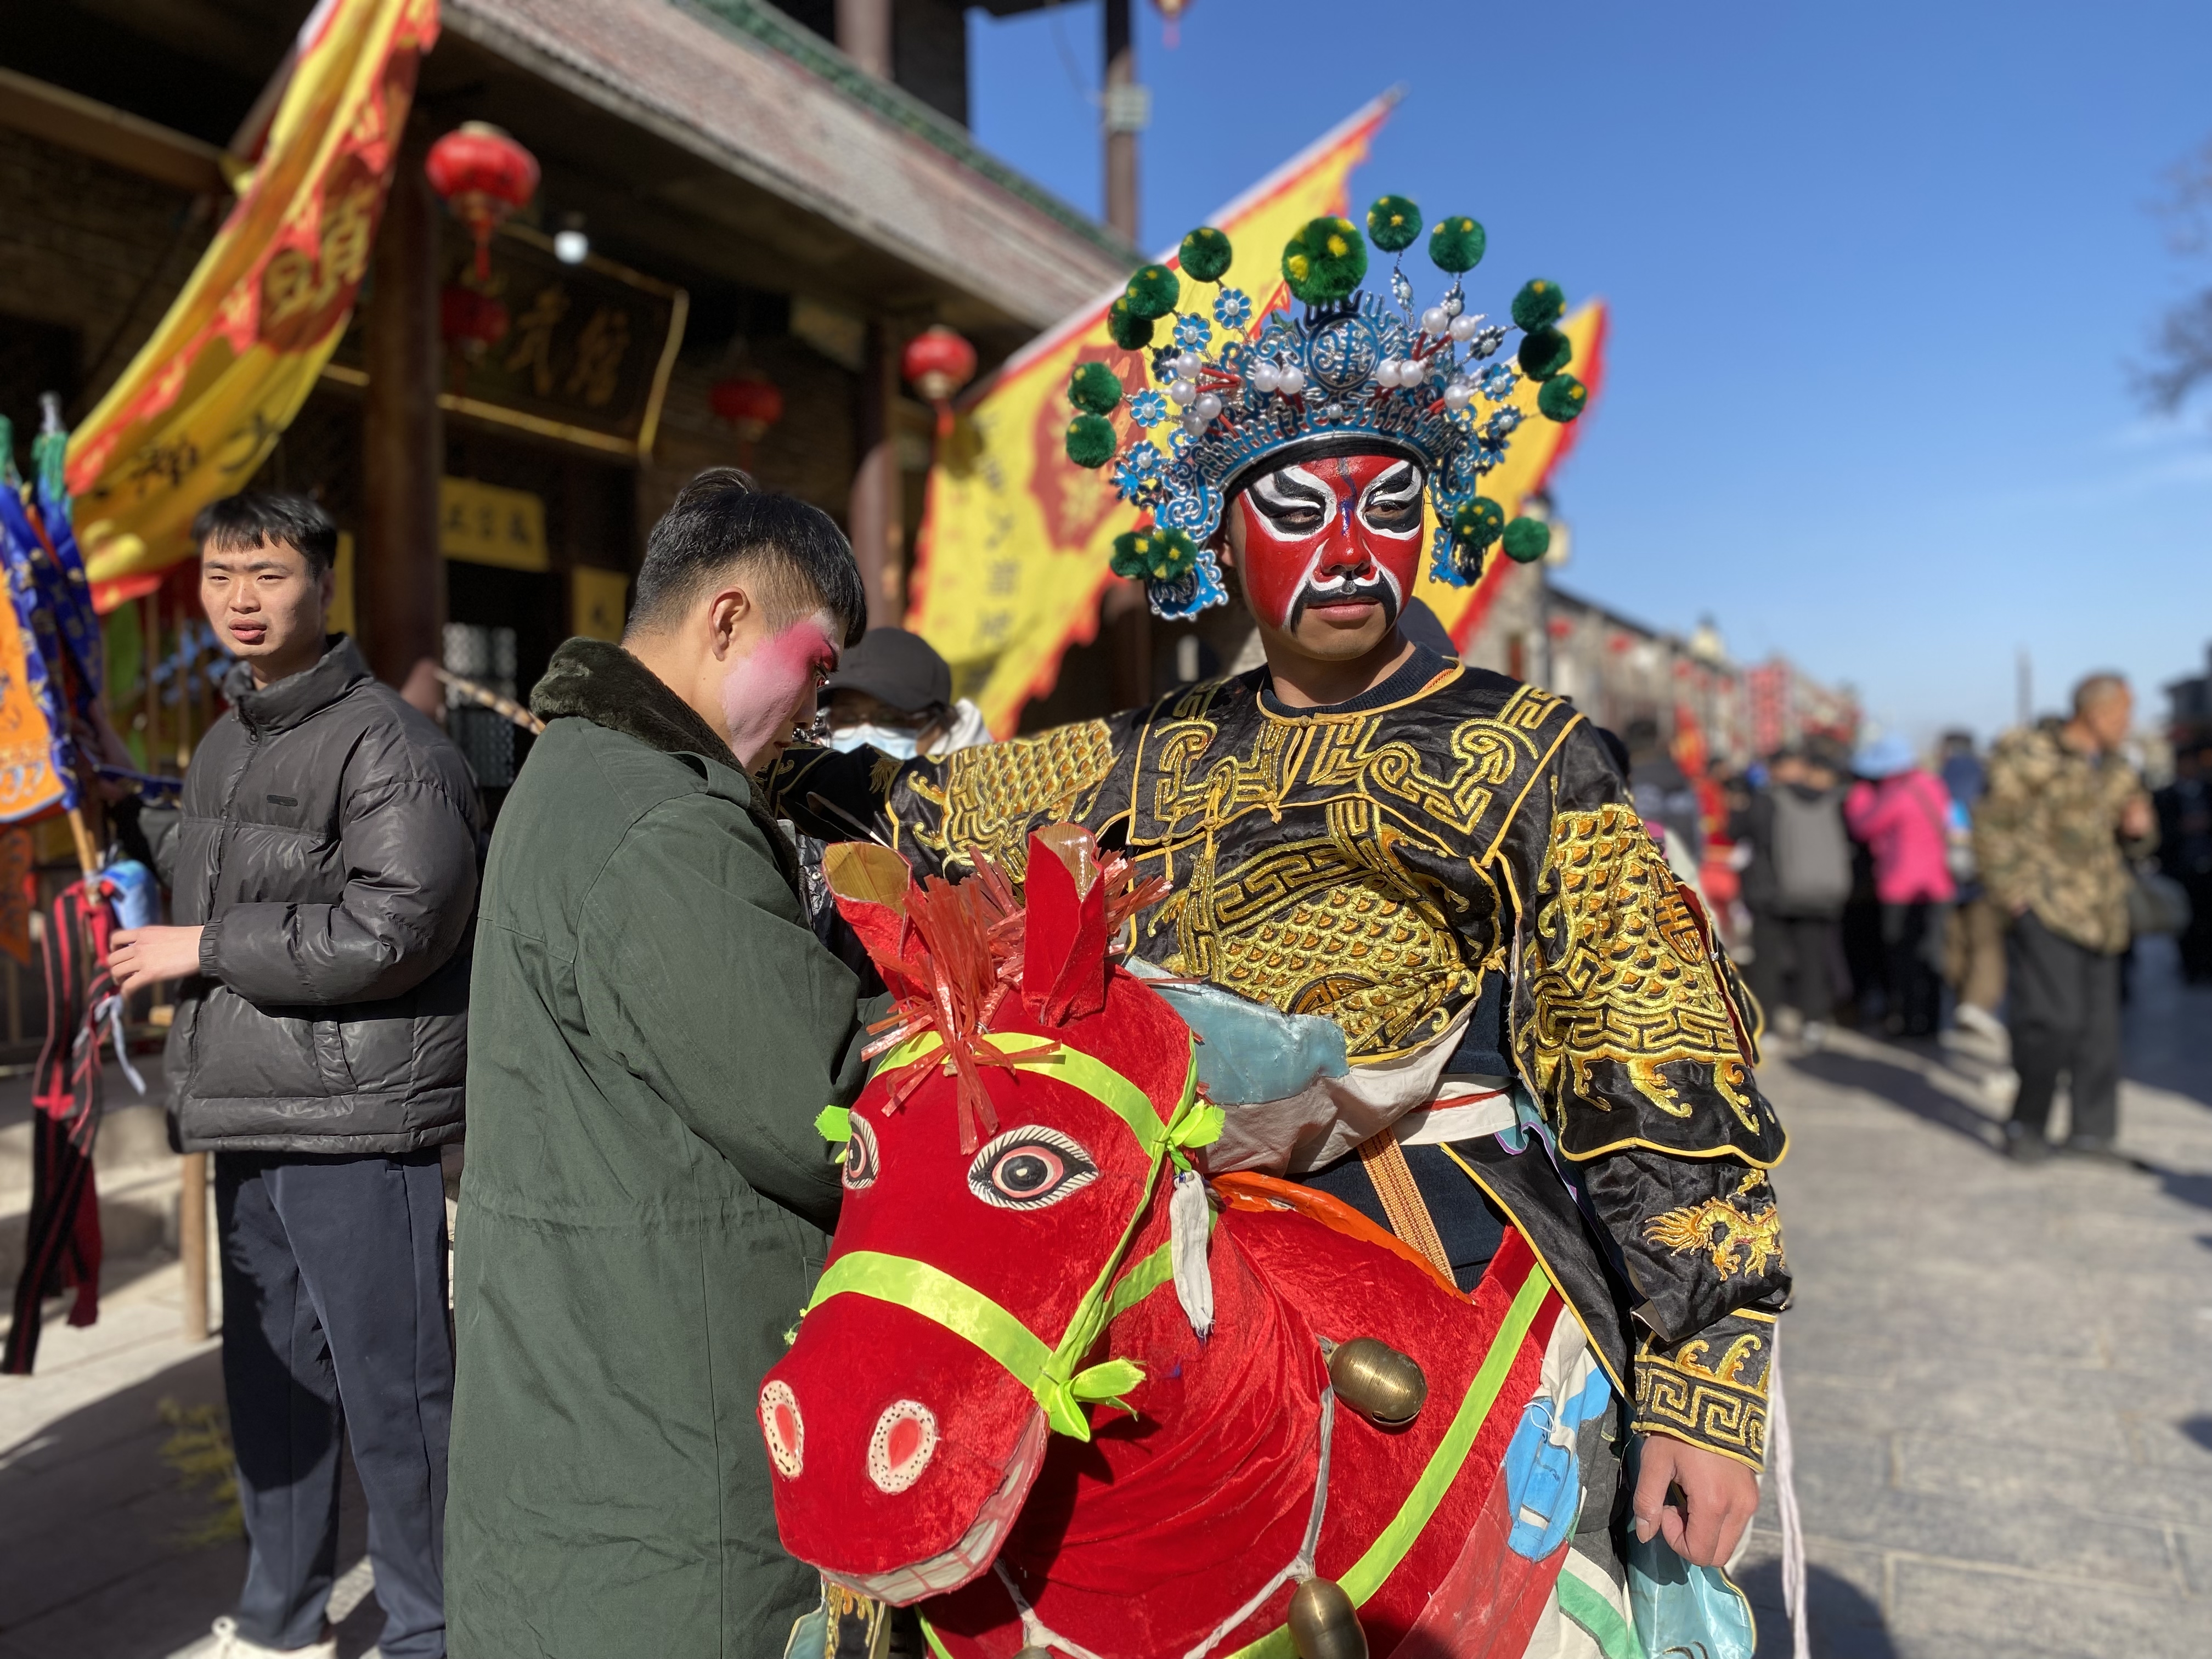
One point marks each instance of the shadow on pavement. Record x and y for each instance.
(93, 1558)
(1842, 1622)
(2167, 1023)
(1899, 1081)
(2199, 1428)
(2189, 1188)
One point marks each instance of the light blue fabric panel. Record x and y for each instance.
(1249, 1053)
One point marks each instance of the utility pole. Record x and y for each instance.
(1129, 110)
(1126, 110)
(2024, 687)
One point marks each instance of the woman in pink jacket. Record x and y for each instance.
(1903, 814)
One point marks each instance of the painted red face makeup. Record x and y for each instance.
(1342, 529)
(769, 692)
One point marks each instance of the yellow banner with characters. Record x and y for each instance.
(201, 405)
(1015, 542)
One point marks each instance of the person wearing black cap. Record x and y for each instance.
(894, 693)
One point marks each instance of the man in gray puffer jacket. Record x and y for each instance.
(323, 878)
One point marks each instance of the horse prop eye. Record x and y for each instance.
(1029, 1168)
(861, 1160)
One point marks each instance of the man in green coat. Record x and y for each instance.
(653, 1030)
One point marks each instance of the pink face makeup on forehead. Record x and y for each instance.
(767, 694)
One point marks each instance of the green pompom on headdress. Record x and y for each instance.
(1527, 540)
(1477, 523)
(1205, 255)
(1095, 389)
(1325, 261)
(1538, 305)
(1091, 440)
(1152, 292)
(1562, 398)
(1393, 223)
(1127, 330)
(1155, 555)
(1456, 244)
(1544, 352)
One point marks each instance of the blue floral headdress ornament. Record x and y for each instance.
(1350, 375)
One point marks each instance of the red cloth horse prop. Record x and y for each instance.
(1049, 1391)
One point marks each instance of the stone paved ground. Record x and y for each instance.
(1999, 1378)
(2000, 1382)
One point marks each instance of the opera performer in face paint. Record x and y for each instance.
(1449, 978)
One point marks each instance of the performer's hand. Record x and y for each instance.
(139, 955)
(1719, 1497)
(2135, 819)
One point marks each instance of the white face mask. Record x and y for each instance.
(893, 740)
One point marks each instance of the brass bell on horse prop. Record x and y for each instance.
(1382, 1385)
(1324, 1625)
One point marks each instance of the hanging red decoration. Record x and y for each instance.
(483, 175)
(751, 403)
(471, 319)
(937, 363)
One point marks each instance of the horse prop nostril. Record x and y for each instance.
(905, 1440)
(783, 1428)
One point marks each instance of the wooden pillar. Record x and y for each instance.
(192, 1240)
(864, 34)
(874, 513)
(399, 581)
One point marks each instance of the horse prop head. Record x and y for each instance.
(1007, 1175)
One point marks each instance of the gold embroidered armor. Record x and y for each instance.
(1382, 866)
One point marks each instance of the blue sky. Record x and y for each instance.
(1877, 272)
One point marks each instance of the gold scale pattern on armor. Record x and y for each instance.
(1629, 979)
(995, 794)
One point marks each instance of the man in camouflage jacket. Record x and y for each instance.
(2063, 815)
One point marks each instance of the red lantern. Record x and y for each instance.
(483, 175)
(938, 362)
(750, 404)
(470, 318)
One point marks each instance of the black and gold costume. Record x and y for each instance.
(1452, 844)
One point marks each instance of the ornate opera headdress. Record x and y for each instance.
(1241, 397)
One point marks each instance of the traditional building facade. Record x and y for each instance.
(767, 198)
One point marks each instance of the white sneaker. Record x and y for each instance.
(225, 1642)
(1982, 1023)
(1814, 1038)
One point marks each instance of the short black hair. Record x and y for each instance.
(254, 519)
(722, 518)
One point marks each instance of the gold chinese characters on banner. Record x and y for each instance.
(483, 524)
(198, 408)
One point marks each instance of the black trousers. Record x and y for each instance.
(334, 1323)
(1799, 949)
(2062, 1004)
(2197, 938)
(1912, 943)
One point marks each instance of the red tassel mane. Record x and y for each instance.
(950, 951)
